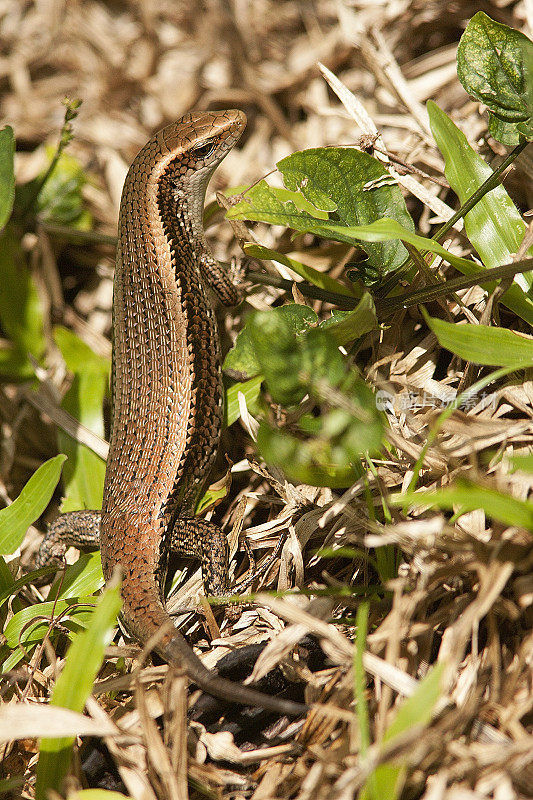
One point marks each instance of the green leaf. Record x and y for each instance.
(320, 279)
(73, 687)
(275, 347)
(300, 462)
(9, 587)
(350, 325)
(483, 344)
(296, 362)
(525, 128)
(7, 174)
(250, 389)
(491, 65)
(83, 477)
(213, 495)
(15, 365)
(20, 308)
(291, 363)
(336, 440)
(384, 229)
(61, 200)
(494, 225)
(416, 711)
(83, 578)
(523, 463)
(7, 581)
(342, 181)
(242, 357)
(29, 625)
(467, 496)
(505, 132)
(359, 677)
(29, 505)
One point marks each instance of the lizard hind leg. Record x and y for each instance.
(75, 529)
(205, 541)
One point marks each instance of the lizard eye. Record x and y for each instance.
(203, 151)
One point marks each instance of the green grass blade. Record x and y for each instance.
(29, 505)
(73, 687)
(465, 496)
(83, 476)
(320, 279)
(494, 226)
(416, 712)
(7, 174)
(250, 389)
(20, 308)
(359, 677)
(515, 298)
(482, 344)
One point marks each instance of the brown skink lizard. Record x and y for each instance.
(166, 392)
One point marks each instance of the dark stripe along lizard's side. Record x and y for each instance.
(166, 391)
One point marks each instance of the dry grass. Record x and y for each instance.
(463, 592)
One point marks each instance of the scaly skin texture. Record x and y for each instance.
(166, 389)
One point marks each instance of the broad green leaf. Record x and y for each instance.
(279, 357)
(83, 578)
(494, 226)
(467, 496)
(505, 132)
(61, 200)
(299, 463)
(29, 505)
(7, 174)
(242, 357)
(352, 186)
(525, 128)
(350, 325)
(84, 659)
(83, 477)
(30, 624)
(292, 363)
(328, 451)
(296, 362)
(353, 180)
(320, 279)
(482, 344)
(383, 229)
(491, 66)
(20, 308)
(250, 389)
